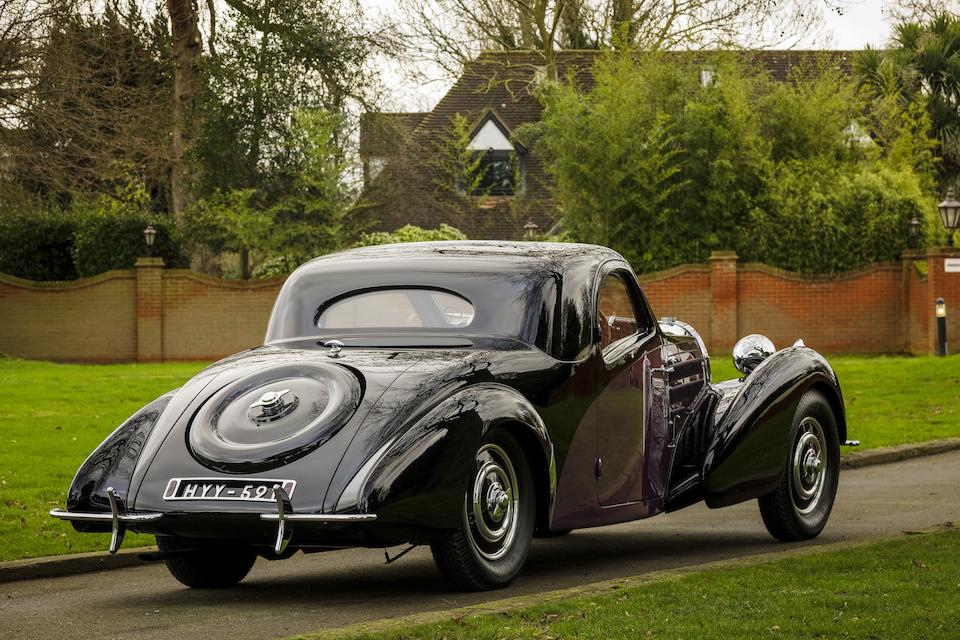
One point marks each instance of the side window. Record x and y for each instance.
(617, 311)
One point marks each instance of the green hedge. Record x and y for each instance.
(411, 233)
(104, 241)
(50, 244)
(36, 245)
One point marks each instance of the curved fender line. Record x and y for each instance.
(745, 458)
(111, 464)
(431, 461)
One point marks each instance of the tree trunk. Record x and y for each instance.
(187, 49)
(245, 264)
(526, 26)
(574, 31)
(622, 24)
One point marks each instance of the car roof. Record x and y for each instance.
(532, 291)
(499, 255)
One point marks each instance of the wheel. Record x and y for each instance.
(799, 507)
(214, 566)
(499, 508)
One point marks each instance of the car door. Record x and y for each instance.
(629, 347)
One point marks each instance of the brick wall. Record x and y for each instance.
(144, 314)
(206, 318)
(858, 312)
(682, 292)
(93, 319)
(151, 313)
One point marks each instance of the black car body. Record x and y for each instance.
(463, 395)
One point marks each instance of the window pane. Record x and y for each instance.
(398, 309)
(615, 310)
(498, 174)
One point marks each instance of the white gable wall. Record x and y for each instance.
(490, 137)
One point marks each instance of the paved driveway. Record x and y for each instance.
(331, 589)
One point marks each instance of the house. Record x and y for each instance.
(410, 176)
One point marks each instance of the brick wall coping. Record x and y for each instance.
(818, 277)
(259, 283)
(645, 278)
(655, 276)
(63, 285)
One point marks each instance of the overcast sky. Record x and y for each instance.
(848, 24)
(858, 23)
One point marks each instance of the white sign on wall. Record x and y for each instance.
(951, 265)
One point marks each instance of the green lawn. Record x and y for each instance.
(904, 588)
(892, 399)
(53, 415)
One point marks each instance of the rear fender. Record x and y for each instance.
(746, 455)
(421, 478)
(111, 465)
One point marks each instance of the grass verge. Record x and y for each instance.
(53, 415)
(893, 400)
(902, 588)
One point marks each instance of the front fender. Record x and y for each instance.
(111, 465)
(749, 447)
(420, 480)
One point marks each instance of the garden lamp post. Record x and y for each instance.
(149, 235)
(941, 309)
(950, 215)
(914, 231)
(530, 230)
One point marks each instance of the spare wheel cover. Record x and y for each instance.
(273, 416)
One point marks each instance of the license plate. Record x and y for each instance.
(245, 489)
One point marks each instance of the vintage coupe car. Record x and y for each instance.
(467, 396)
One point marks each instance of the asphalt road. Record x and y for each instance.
(337, 588)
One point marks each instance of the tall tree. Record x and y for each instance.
(187, 47)
(91, 110)
(665, 170)
(21, 24)
(919, 10)
(275, 60)
(451, 32)
(923, 64)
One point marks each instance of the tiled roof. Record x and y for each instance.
(379, 131)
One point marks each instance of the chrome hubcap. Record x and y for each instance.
(809, 468)
(492, 504)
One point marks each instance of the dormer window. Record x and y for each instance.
(500, 165)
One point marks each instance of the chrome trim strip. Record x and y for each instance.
(350, 497)
(86, 516)
(129, 518)
(851, 443)
(320, 517)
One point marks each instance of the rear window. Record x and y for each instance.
(397, 309)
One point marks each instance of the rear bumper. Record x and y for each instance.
(274, 528)
(143, 518)
(106, 518)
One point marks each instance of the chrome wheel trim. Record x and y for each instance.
(492, 506)
(808, 466)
